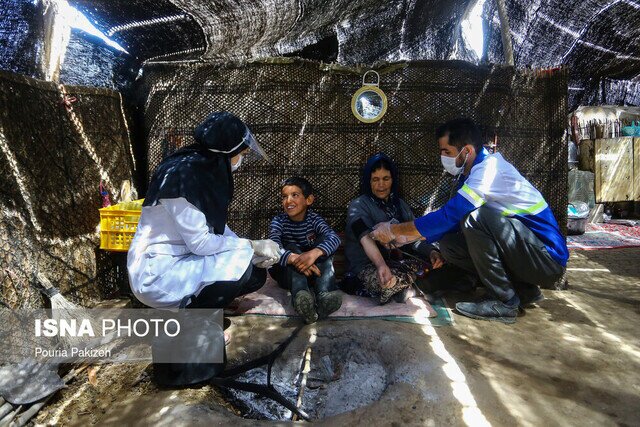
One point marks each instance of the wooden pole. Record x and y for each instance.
(303, 382)
(505, 30)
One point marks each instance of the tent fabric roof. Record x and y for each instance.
(596, 39)
(146, 28)
(367, 31)
(599, 40)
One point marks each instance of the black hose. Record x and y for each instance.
(226, 378)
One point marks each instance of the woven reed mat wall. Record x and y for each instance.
(51, 163)
(300, 111)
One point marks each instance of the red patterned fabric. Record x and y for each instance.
(606, 236)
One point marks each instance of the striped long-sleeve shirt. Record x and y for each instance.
(312, 232)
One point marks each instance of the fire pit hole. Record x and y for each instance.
(344, 375)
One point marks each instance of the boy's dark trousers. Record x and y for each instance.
(507, 256)
(289, 278)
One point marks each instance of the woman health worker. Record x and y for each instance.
(183, 253)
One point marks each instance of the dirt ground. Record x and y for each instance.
(574, 360)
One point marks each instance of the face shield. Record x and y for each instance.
(256, 152)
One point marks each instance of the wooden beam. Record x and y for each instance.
(505, 30)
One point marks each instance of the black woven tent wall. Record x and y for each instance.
(300, 111)
(21, 37)
(51, 163)
(90, 62)
(598, 40)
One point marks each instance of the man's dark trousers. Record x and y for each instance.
(506, 255)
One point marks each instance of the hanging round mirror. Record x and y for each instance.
(369, 103)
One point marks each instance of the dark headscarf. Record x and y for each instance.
(392, 206)
(201, 172)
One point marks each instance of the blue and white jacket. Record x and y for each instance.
(496, 184)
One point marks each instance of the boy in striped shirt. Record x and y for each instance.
(308, 244)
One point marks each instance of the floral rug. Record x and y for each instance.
(606, 236)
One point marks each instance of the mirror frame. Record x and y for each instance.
(373, 87)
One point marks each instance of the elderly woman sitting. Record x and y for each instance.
(372, 269)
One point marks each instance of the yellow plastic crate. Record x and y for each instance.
(118, 224)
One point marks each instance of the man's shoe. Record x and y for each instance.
(488, 310)
(328, 302)
(304, 306)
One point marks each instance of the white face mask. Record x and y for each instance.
(237, 165)
(449, 164)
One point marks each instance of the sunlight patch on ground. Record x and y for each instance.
(471, 414)
(630, 350)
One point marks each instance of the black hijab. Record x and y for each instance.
(201, 172)
(392, 206)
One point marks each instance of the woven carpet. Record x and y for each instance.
(606, 236)
(271, 300)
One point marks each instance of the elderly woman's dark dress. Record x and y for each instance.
(366, 211)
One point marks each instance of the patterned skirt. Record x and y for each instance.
(404, 273)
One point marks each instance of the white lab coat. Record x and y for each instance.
(174, 254)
